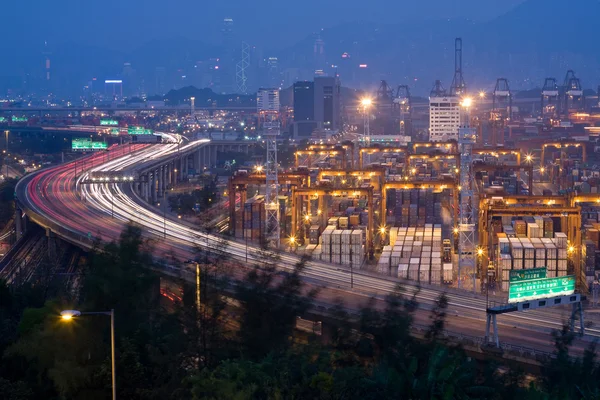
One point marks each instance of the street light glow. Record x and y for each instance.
(382, 230)
(366, 102)
(467, 102)
(482, 94)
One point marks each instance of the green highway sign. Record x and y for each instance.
(540, 288)
(139, 130)
(19, 119)
(99, 145)
(109, 122)
(517, 275)
(87, 144)
(2, 119)
(115, 131)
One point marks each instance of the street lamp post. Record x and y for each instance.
(68, 315)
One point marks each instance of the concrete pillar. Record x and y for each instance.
(19, 223)
(160, 181)
(147, 187)
(153, 187)
(52, 251)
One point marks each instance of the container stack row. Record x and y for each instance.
(516, 253)
(414, 253)
(413, 207)
(339, 246)
(249, 221)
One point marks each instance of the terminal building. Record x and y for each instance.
(316, 106)
(444, 118)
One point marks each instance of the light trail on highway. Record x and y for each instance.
(51, 193)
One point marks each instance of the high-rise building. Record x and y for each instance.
(327, 102)
(273, 74)
(444, 118)
(267, 100)
(227, 66)
(316, 106)
(160, 80)
(304, 109)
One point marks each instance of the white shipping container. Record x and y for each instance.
(562, 253)
(357, 237)
(403, 271)
(336, 258)
(336, 237)
(551, 273)
(414, 261)
(518, 263)
(436, 277)
(326, 257)
(561, 240)
(413, 272)
(540, 263)
(562, 264)
(517, 250)
(346, 236)
(561, 273)
(528, 263)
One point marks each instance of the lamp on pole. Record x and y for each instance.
(68, 315)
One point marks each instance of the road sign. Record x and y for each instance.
(87, 144)
(540, 288)
(2, 119)
(517, 275)
(139, 130)
(109, 122)
(19, 119)
(115, 131)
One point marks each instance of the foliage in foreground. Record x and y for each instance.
(179, 350)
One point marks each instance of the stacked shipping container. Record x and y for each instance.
(414, 253)
(413, 207)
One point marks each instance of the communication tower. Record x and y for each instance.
(240, 69)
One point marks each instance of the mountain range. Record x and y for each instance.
(536, 39)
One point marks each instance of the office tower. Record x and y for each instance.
(160, 77)
(273, 74)
(327, 102)
(227, 63)
(267, 100)
(304, 109)
(444, 118)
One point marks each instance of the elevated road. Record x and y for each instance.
(101, 210)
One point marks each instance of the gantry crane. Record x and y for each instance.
(403, 105)
(432, 157)
(239, 182)
(573, 97)
(361, 174)
(570, 218)
(500, 95)
(550, 100)
(373, 150)
(319, 192)
(451, 146)
(317, 153)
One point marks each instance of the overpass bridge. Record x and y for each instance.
(83, 213)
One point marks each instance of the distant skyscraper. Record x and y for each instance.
(227, 66)
(319, 53)
(47, 76)
(130, 85)
(444, 118)
(304, 109)
(327, 102)
(160, 77)
(267, 100)
(273, 74)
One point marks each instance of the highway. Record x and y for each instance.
(51, 194)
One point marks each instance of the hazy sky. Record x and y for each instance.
(122, 24)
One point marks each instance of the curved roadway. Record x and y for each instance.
(101, 210)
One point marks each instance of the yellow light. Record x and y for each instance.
(571, 249)
(480, 252)
(482, 94)
(292, 240)
(307, 218)
(318, 212)
(542, 170)
(382, 230)
(467, 102)
(414, 171)
(366, 102)
(67, 317)
(455, 231)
